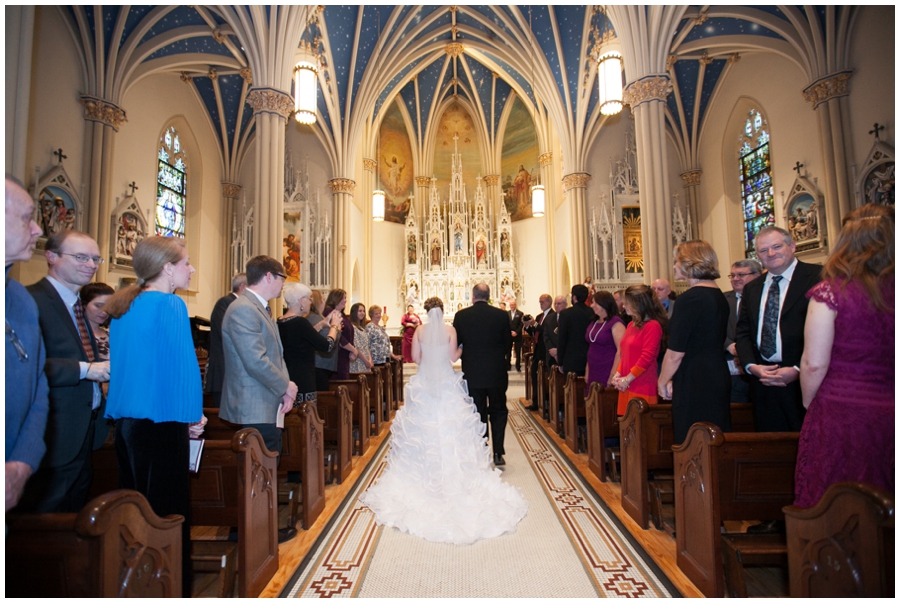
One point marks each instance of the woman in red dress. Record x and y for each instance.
(637, 372)
(847, 369)
(409, 322)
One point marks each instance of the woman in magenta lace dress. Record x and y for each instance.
(847, 371)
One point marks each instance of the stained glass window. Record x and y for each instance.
(757, 196)
(171, 186)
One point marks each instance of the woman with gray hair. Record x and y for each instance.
(301, 341)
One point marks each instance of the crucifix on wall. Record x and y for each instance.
(59, 154)
(133, 187)
(797, 168)
(876, 129)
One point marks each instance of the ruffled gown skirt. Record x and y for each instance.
(439, 483)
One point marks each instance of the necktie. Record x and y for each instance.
(770, 319)
(83, 331)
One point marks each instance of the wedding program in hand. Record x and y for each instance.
(439, 484)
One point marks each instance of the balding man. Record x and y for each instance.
(551, 334)
(663, 292)
(74, 373)
(534, 327)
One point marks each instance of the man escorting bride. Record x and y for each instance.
(439, 484)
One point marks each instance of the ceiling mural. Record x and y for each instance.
(395, 165)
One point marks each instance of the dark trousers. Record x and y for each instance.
(153, 459)
(777, 408)
(517, 346)
(323, 376)
(61, 489)
(216, 398)
(491, 405)
(271, 435)
(740, 388)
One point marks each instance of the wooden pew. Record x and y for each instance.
(115, 547)
(303, 450)
(397, 366)
(726, 476)
(844, 546)
(336, 411)
(237, 486)
(557, 401)
(376, 397)
(387, 377)
(601, 405)
(543, 393)
(358, 390)
(646, 437)
(573, 399)
(529, 359)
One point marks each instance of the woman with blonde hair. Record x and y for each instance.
(847, 368)
(636, 374)
(694, 374)
(155, 394)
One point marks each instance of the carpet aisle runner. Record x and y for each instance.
(566, 546)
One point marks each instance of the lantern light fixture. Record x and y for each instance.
(306, 76)
(609, 78)
(378, 205)
(537, 200)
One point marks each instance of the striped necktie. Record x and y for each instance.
(83, 331)
(767, 338)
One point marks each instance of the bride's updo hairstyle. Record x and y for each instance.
(434, 302)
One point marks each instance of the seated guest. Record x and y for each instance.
(94, 297)
(155, 394)
(363, 361)
(379, 341)
(636, 374)
(694, 375)
(301, 341)
(847, 368)
(604, 336)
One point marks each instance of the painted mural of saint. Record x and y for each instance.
(480, 248)
(394, 171)
(522, 187)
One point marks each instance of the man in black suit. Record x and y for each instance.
(215, 368)
(483, 333)
(573, 324)
(515, 329)
(75, 422)
(770, 331)
(742, 272)
(551, 333)
(534, 327)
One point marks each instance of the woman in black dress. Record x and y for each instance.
(694, 373)
(301, 341)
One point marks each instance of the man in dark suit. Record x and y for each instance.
(483, 333)
(215, 368)
(664, 292)
(742, 272)
(551, 333)
(515, 329)
(770, 331)
(534, 327)
(573, 324)
(75, 422)
(619, 296)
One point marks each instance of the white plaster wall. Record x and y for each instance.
(529, 247)
(388, 260)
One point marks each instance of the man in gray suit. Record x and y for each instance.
(742, 272)
(256, 386)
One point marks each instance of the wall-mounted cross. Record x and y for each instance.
(876, 130)
(59, 154)
(797, 167)
(133, 188)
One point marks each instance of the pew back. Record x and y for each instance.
(336, 411)
(358, 390)
(602, 421)
(573, 398)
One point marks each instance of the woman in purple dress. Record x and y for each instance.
(603, 337)
(847, 370)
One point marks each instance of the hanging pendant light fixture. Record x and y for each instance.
(306, 83)
(378, 194)
(609, 74)
(537, 191)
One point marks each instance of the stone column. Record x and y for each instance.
(647, 97)
(575, 188)
(421, 200)
(20, 26)
(342, 193)
(691, 179)
(230, 193)
(369, 186)
(828, 97)
(106, 120)
(271, 109)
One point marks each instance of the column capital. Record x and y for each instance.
(545, 159)
(492, 180)
(423, 180)
(691, 178)
(105, 112)
(649, 88)
(270, 100)
(370, 164)
(230, 190)
(826, 88)
(342, 185)
(575, 180)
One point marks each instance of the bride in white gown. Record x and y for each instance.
(438, 483)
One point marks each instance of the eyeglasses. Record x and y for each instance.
(14, 339)
(83, 259)
(279, 274)
(744, 275)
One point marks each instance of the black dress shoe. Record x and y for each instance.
(498, 460)
(767, 527)
(285, 534)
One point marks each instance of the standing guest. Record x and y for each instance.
(326, 362)
(636, 374)
(155, 394)
(663, 291)
(74, 374)
(257, 385)
(604, 336)
(26, 383)
(847, 368)
(409, 322)
(573, 323)
(770, 331)
(301, 340)
(347, 352)
(379, 341)
(620, 303)
(515, 328)
(215, 368)
(534, 327)
(742, 272)
(363, 361)
(694, 375)
(551, 330)
(94, 297)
